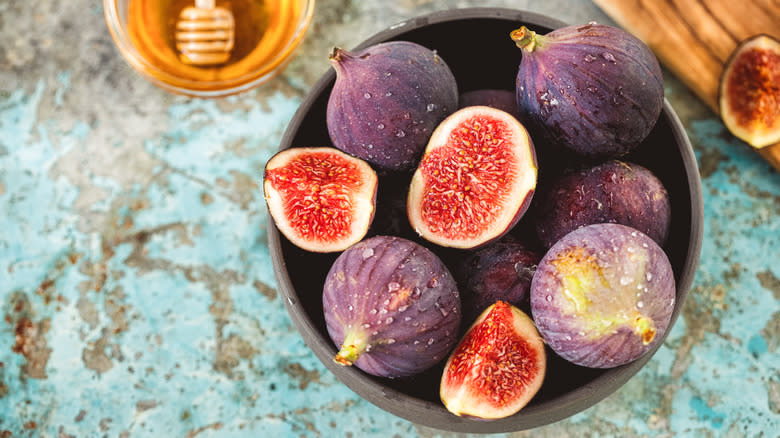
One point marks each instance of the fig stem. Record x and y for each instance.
(645, 328)
(351, 349)
(525, 38)
(335, 54)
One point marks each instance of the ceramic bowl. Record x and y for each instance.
(475, 44)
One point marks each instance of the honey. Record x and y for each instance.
(263, 31)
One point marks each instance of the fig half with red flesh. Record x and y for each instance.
(497, 367)
(749, 95)
(320, 198)
(475, 180)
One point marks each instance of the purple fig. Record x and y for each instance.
(615, 191)
(501, 270)
(391, 306)
(603, 295)
(387, 100)
(594, 89)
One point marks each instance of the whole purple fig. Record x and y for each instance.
(594, 89)
(615, 191)
(387, 100)
(391, 306)
(603, 295)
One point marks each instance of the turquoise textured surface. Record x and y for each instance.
(136, 290)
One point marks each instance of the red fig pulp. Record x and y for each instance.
(750, 91)
(498, 366)
(321, 199)
(475, 180)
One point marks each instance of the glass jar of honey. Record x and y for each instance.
(208, 48)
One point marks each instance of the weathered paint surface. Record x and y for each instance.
(136, 291)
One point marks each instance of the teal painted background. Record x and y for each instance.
(136, 290)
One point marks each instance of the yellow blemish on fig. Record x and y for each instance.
(645, 328)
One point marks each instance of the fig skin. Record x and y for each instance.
(615, 192)
(387, 100)
(595, 89)
(749, 92)
(391, 307)
(503, 345)
(504, 100)
(475, 180)
(501, 271)
(603, 295)
(320, 198)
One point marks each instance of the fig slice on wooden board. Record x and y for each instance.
(320, 198)
(749, 96)
(497, 367)
(475, 179)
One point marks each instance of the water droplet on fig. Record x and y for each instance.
(589, 58)
(372, 311)
(548, 298)
(433, 282)
(640, 304)
(366, 325)
(389, 320)
(391, 341)
(368, 252)
(648, 276)
(625, 280)
(431, 341)
(380, 126)
(592, 89)
(400, 134)
(367, 95)
(350, 308)
(388, 94)
(388, 74)
(393, 286)
(431, 107)
(609, 57)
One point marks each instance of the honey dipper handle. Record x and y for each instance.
(205, 4)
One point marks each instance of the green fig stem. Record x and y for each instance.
(335, 54)
(351, 349)
(645, 328)
(526, 39)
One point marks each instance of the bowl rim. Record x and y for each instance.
(435, 415)
(194, 88)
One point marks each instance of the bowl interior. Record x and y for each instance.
(475, 44)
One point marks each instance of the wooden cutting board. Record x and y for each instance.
(694, 38)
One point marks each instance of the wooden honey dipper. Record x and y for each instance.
(205, 34)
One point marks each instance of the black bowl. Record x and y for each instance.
(475, 44)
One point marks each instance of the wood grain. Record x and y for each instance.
(694, 38)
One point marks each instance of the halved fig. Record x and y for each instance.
(497, 367)
(475, 180)
(320, 198)
(749, 95)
